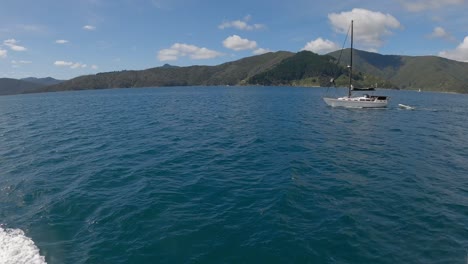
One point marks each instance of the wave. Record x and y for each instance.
(17, 248)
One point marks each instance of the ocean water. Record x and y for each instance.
(232, 175)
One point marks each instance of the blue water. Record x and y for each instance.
(234, 175)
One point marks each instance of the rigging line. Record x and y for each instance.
(338, 60)
(339, 56)
(342, 47)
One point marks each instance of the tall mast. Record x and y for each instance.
(351, 62)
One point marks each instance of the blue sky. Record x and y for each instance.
(67, 38)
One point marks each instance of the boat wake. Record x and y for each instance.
(17, 248)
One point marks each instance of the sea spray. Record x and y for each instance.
(17, 248)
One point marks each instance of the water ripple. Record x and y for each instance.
(270, 175)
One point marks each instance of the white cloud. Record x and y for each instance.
(261, 51)
(77, 65)
(89, 27)
(3, 53)
(94, 67)
(460, 53)
(178, 50)
(63, 63)
(21, 62)
(369, 27)
(241, 24)
(61, 41)
(168, 54)
(422, 5)
(439, 32)
(72, 65)
(237, 43)
(321, 46)
(12, 44)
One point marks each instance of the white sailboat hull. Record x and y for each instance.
(364, 101)
(356, 102)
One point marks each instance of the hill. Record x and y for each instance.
(10, 86)
(280, 68)
(230, 73)
(306, 68)
(42, 81)
(427, 73)
(284, 68)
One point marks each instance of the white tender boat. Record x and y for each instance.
(407, 107)
(363, 101)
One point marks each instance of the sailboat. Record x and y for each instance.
(363, 101)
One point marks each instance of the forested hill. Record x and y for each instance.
(280, 68)
(10, 86)
(231, 73)
(428, 73)
(304, 68)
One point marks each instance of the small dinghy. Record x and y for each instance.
(407, 107)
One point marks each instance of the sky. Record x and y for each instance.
(64, 39)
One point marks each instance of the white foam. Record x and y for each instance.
(17, 248)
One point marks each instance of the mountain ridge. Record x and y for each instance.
(9, 86)
(428, 73)
(229, 73)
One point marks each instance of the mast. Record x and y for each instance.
(351, 62)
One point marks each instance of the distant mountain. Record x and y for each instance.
(169, 66)
(285, 68)
(428, 73)
(10, 86)
(306, 68)
(231, 73)
(42, 81)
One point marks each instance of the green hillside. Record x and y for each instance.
(286, 68)
(10, 86)
(309, 69)
(427, 73)
(231, 73)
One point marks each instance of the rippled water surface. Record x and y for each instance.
(233, 175)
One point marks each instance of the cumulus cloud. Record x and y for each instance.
(71, 65)
(89, 27)
(369, 27)
(422, 5)
(241, 24)
(460, 53)
(13, 45)
(168, 54)
(94, 67)
(237, 43)
(77, 65)
(3, 53)
(439, 32)
(61, 41)
(261, 51)
(63, 63)
(178, 50)
(321, 46)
